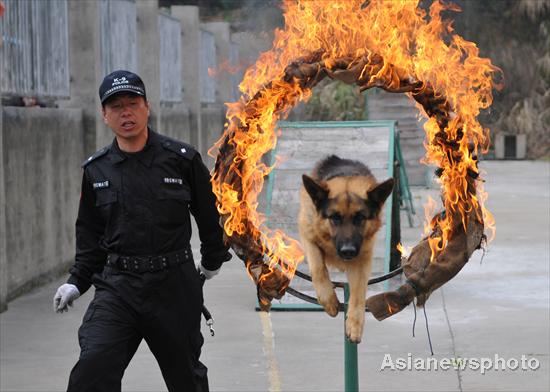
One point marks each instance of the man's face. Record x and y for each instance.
(126, 115)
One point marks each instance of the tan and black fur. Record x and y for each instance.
(339, 216)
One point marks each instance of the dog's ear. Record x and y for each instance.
(381, 192)
(317, 191)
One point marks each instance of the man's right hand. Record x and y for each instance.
(64, 297)
(208, 274)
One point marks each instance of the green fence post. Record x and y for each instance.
(389, 203)
(350, 353)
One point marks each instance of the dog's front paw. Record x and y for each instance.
(330, 303)
(354, 329)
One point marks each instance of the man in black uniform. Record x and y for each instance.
(132, 243)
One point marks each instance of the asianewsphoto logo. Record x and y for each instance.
(480, 364)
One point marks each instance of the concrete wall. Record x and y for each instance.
(190, 25)
(3, 227)
(149, 52)
(42, 151)
(175, 122)
(212, 120)
(222, 37)
(84, 54)
(213, 114)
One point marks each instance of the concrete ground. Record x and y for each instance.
(495, 306)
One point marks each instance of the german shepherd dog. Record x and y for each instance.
(339, 216)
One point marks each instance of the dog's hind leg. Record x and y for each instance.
(358, 276)
(321, 279)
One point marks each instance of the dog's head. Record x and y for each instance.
(348, 214)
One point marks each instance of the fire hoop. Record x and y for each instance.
(400, 51)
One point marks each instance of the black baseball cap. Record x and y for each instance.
(121, 81)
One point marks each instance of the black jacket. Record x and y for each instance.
(139, 204)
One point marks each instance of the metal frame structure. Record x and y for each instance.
(351, 377)
(394, 151)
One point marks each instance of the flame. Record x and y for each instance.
(225, 67)
(431, 222)
(404, 249)
(390, 310)
(429, 210)
(398, 42)
(488, 218)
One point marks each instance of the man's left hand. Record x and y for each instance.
(208, 274)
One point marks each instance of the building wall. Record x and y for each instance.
(175, 122)
(212, 120)
(3, 227)
(42, 151)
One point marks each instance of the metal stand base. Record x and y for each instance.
(350, 354)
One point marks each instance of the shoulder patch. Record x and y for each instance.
(95, 155)
(183, 149)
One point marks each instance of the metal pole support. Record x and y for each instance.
(350, 354)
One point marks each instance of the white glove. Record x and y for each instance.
(65, 295)
(208, 274)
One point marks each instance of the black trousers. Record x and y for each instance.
(164, 308)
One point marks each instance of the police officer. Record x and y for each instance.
(132, 243)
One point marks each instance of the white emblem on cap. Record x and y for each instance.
(117, 81)
(183, 150)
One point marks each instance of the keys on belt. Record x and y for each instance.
(142, 264)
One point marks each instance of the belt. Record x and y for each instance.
(142, 264)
